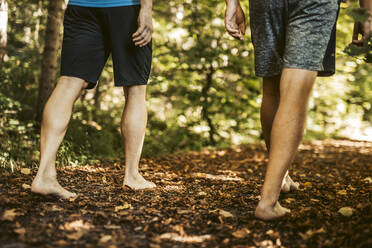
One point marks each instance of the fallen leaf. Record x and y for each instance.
(26, 171)
(202, 193)
(105, 239)
(342, 192)
(307, 184)
(290, 200)
(368, 180)
(9, 214)
(185, 239)
(124, 206)
(77, 225)
(226, 214)
(111, 227)
(241, 233)
(20, 231)
(61, 243)
(26, 186)
(75, 235)
(346, 211)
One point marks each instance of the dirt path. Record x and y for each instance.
(204, 199)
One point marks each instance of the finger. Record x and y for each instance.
(139, 31)
(242, 28)
(236, 36)
(365, 37)
(232, 28)
(355, 31)
(145, 40)
(141, 36)
(358, 42)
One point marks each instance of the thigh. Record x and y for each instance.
(268, 23)
(85, 48)
(309, 29)
(132, 64)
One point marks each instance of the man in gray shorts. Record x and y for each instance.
(293, 45)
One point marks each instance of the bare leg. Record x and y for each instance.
(56, 116)
(286, 134)
(133, 128)
(269, 107)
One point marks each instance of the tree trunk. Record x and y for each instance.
(205, 109)
(3, 28)
(50, 54)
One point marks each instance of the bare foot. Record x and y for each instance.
(288, 184)
(138, 182)
(50, 186)
(270, 212)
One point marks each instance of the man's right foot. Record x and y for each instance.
(270, 212)
(137, 182)
(50, 187)
(288, 184)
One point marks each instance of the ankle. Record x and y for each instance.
(47, 174)
(267, 203)
(131, 174)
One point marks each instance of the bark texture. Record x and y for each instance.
(50, 54)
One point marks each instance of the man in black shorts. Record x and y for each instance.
(94, 29)
(293, 45)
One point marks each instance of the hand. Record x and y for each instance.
(363, 28)
(144, 32)
(235, 19)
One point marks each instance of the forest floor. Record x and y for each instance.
(203, 199)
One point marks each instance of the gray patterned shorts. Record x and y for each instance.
(293, 34)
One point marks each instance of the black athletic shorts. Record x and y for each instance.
(92, 34)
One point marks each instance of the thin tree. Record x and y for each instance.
(3, 28)
(50, 54)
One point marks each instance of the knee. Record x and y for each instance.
(136, 92)
(297, 82)
(72, 83)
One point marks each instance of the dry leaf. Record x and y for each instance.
(61, 243)
(226, 214)
(20, 231)
(367, 180)
(202, 193)
(26, 171)
(26, 186)
(105, 238)
(75, 235)
(111, 227)
(307, 184)
(241, 233)
(185, 239)
(342, 192)
(124, 206)
(9, 214)
(346, 211)
(77, 225)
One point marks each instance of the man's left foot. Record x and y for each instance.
(269, 211)
(138, 182)
(289, 185)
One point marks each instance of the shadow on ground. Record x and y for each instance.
(203, 199)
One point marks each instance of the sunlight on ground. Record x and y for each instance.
(217, 177)
(185, 238)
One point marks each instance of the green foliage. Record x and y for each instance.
(359, 15)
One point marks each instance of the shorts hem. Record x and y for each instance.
(91, 83)
(303, 67)
(268, 75)
(130, 83)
